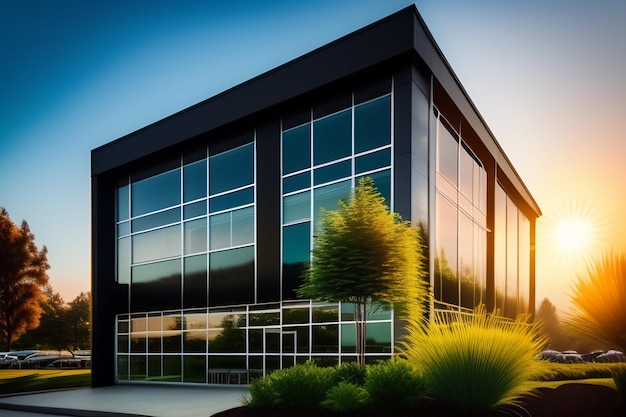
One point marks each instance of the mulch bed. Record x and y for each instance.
(568, 400)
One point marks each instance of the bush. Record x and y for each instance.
(350, 372)
(479, 364)
(346, 397)
(394, 384)
(619, 377)
(301, 386)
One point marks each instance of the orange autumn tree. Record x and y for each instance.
(22, 276)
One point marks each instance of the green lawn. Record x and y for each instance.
(27, 380)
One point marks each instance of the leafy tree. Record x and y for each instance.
(78, 321)
(367, 256)
(22, 275)
(599, 311)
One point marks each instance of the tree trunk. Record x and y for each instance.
(360, 317)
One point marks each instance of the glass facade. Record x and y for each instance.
(459, 280)
(512, 256)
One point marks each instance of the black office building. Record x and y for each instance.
(203, 222)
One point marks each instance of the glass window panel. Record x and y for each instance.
(123, 261)
(156, 286)
(196, 321)
(379, 313)
(154, 342)
(348, 338)
(123, 229)
(295, 316)
(297, 149)
(297, 207)
(156, 220)
(373, 161)
(154, 322)
(172, 341)
(122, 343)
(138, 367)
(500, 247)
(228, 201)
(156, 193)
(328, 197)
(219, 231)
(347, 312)
(123, 206)
(231, 277)
(172, 368)
(220, 362)
(154, 367)
(378, 338)
(123, 327)
(382, 182)
(243, 226)
(195, 342)
(255, 340)
(296, 257)
(231, 169)
(332, 137)
(157, 244)
(326, 314)
(138, 324)
(138, 342)
(194, 210)
(297, 182)
(195, 236)
(122, 368)
(272, 340)
(265, 319)
(194, 181)
(332, 172)
(326, 338)
(372, 124)
(195, 282)
(467, 273)
(194, 369)
(466, 175)
(510, 307)
(228, 339)
(447, 151)
(524, 263)
(446, 277)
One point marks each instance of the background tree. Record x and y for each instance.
(366, 255)
(78, 319)
(599, 310)
(22, 275)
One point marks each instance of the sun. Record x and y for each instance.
(573, 235)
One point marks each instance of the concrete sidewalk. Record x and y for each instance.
(129, 400)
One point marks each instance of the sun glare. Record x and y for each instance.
(572, 235)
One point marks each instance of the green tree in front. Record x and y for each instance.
(599, 310)
(22, 276)
(367, 256)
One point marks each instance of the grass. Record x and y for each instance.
(13, 381)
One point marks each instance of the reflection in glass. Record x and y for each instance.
(510, 305)
(332, 137)
(123, 206)
(194, 369)
(524, 263)
(297, 207)
(326, 338)
(446, 277)
(156, 286)
(122, 368)
(219, 231)
(138, 367)
(194, 210)
(231, 278)
(156, 193)
(156, 244)
(297, 149)
(155, 220)
(195, 341)
(373, 161)
(297, 182)
(242, 226)
(195, 282)
(372, 124)
(378, 338)
(194, 181)
(172, 368)
(195, 236)
(499, 250)
(447, 153)
(238, 163)
(123, 261)
(332, 172)
(154, 367)
(230, 200)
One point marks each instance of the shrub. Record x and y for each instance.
(301, 386)
(346, 397)
(619, 377)
(261, 394)
(350, 372)
(479, 364)
(394, 384)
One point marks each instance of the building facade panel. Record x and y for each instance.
(201, 238)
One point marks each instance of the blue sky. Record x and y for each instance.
(547, 76)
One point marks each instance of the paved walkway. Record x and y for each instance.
(126, 400)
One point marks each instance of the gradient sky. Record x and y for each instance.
(548, 76)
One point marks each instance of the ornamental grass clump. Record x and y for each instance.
(477, 364)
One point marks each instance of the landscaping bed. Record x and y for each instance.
(566, 400)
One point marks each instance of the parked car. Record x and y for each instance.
(611, 356)
(6, 360)
(551, 355)
(65, 363)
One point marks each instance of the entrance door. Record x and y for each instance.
(289, 348)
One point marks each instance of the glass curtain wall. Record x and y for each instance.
(512, 256)
(460, 240)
